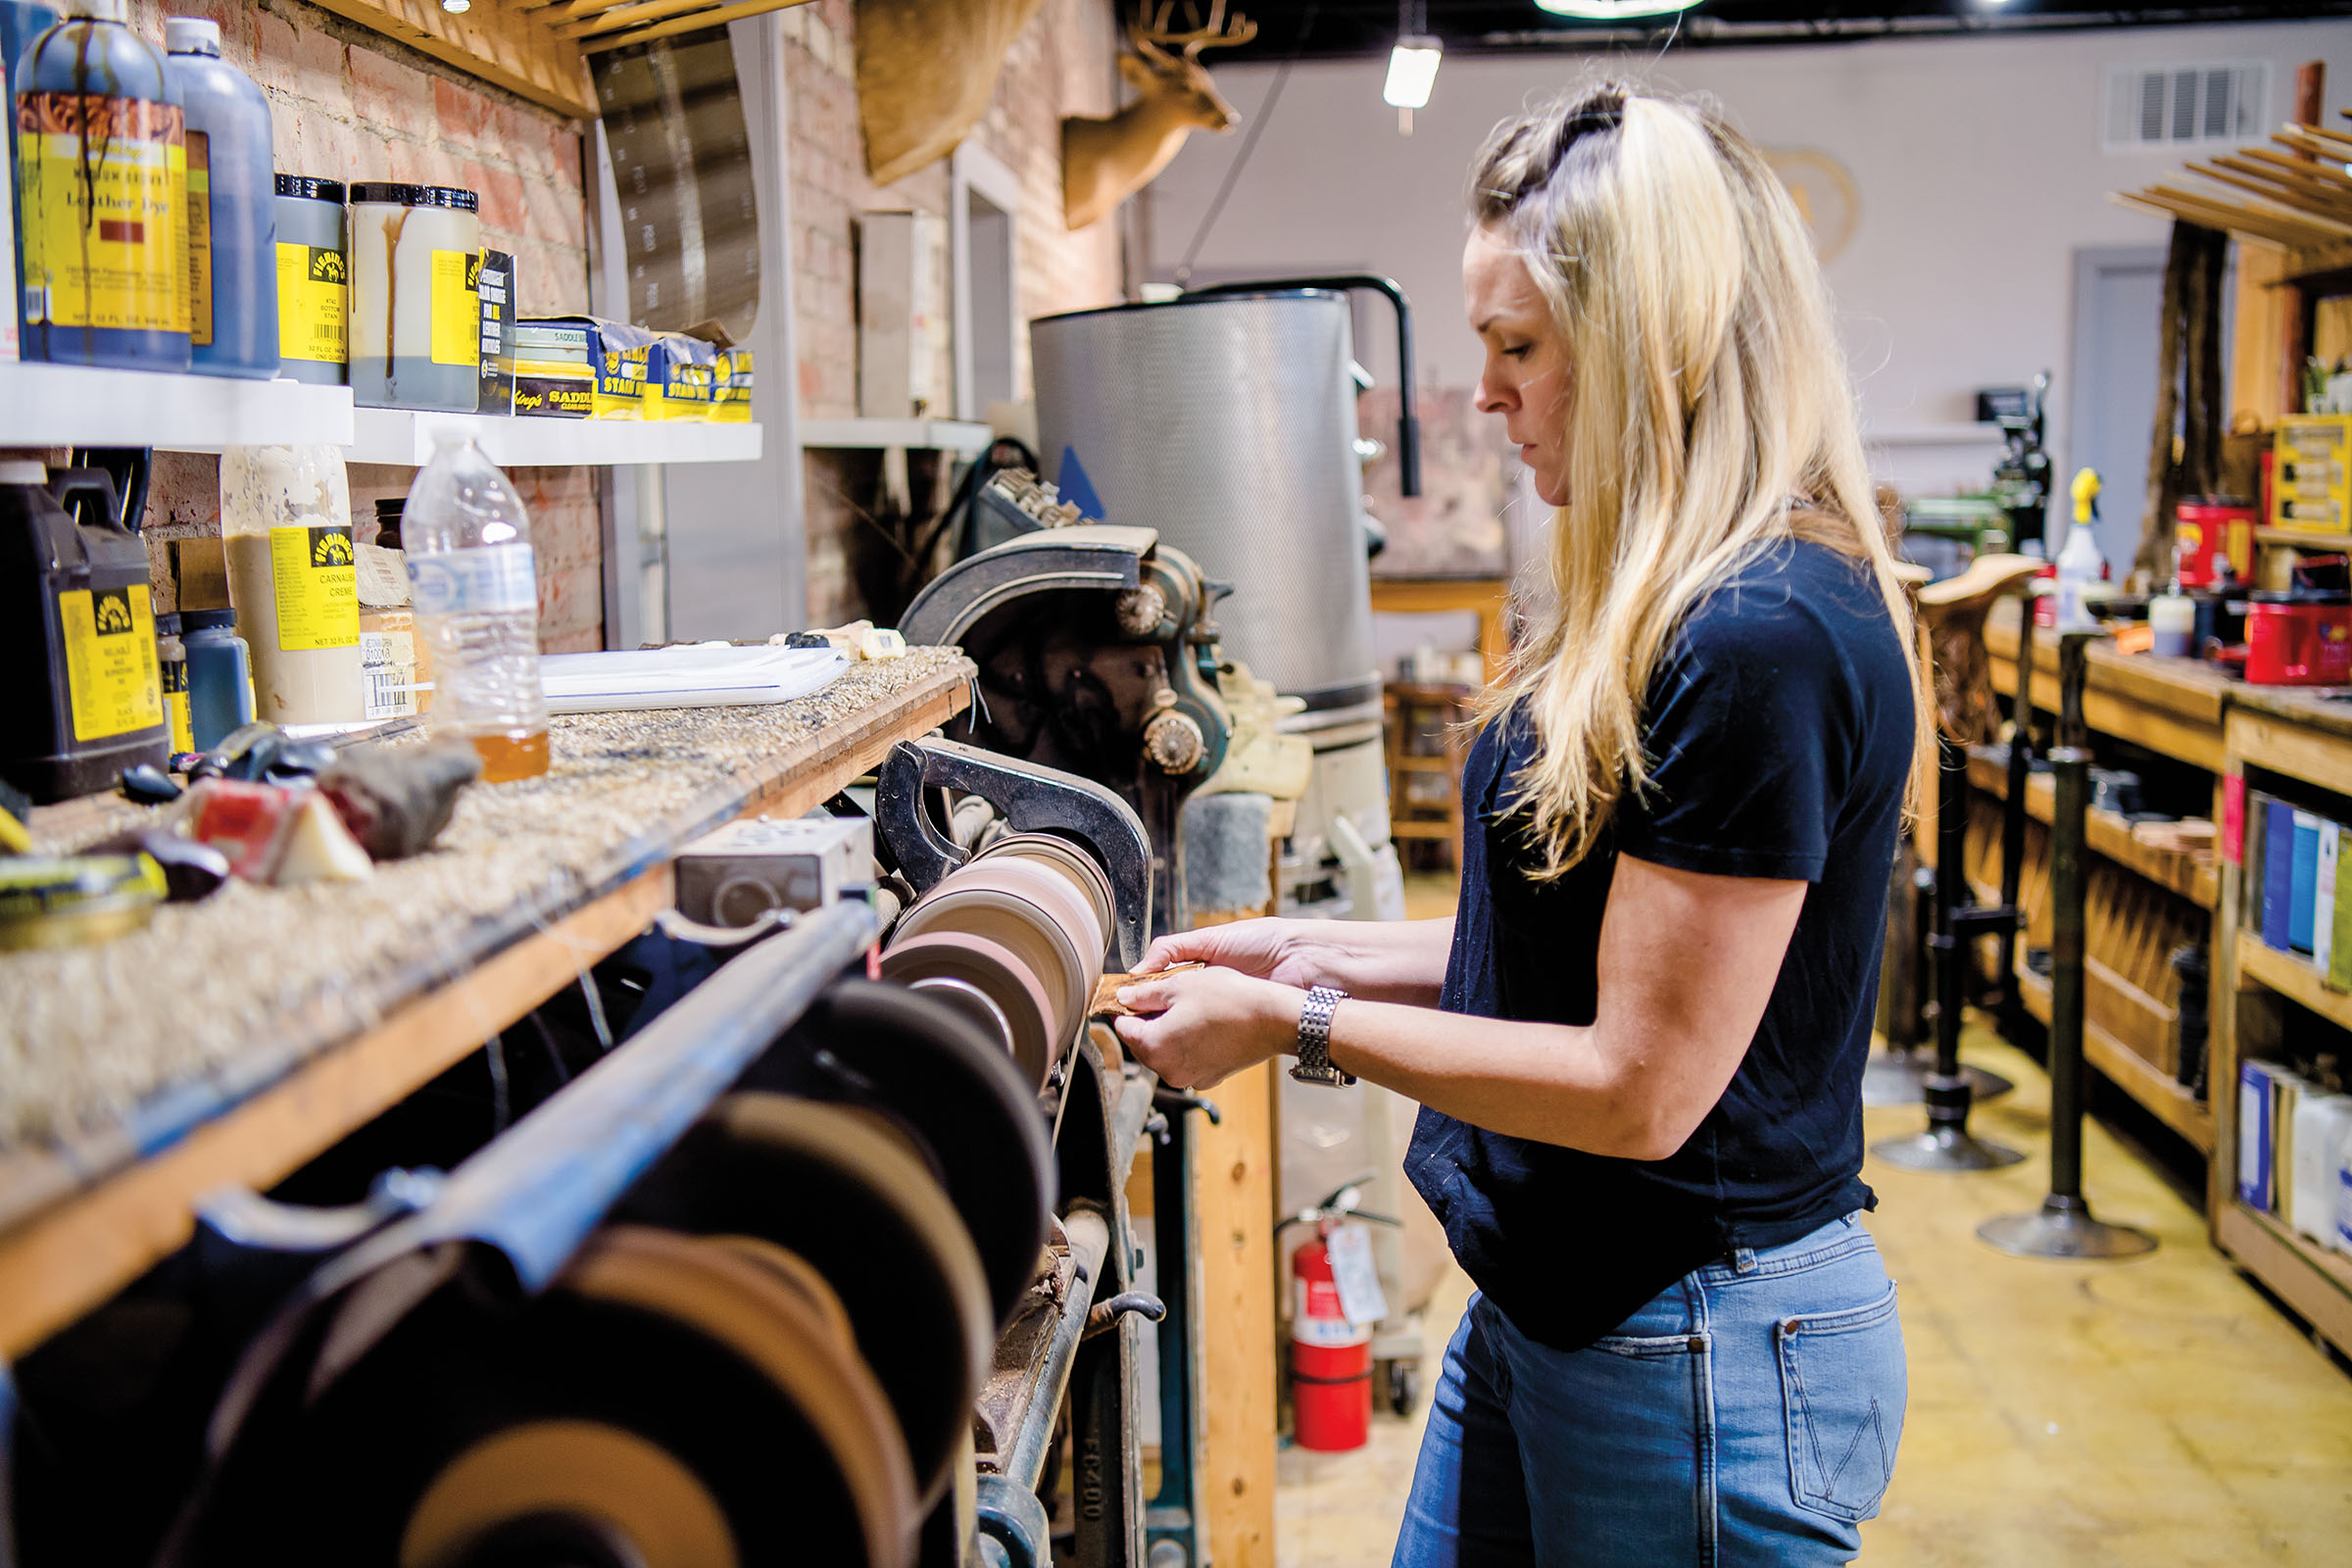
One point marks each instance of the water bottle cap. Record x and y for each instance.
(192, 35)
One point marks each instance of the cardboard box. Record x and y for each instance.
(497, 275)
(681, 378)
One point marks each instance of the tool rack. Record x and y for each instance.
(81, 1219)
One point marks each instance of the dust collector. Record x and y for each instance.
(1226, 419)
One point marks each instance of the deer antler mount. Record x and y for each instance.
(1103, 162)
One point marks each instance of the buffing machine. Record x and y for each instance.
(808, 1267)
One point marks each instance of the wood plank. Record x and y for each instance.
(72, 1254)
(2317, 1283)
(1234, 1170)
(2295, 977)
(2110, 836)
(2296, 750)
(2155, 1091)
(495, 42)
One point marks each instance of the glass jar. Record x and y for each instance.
(416, 302)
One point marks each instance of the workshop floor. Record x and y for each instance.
(2154, 1411)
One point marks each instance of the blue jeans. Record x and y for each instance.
(1748, 1416)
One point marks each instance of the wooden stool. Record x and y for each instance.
(1418, 718)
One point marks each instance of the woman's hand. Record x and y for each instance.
(1268, 949)
(1206, 1024)
(1397, 961)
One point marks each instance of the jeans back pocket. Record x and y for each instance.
(1843, 1383)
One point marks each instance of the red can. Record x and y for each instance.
(1331, 1360)
(2299, 639)
(2213, 534)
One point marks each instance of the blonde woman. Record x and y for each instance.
(1640, 1041)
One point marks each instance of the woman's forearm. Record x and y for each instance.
(1383, 961)
(1552, 1083)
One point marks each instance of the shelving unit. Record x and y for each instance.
(2176, 707)
(404, 436)
(2303, 538)
(76, 406)
(2305, 736)
(961, 436)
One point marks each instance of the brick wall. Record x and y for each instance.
(1060, 65)
(349, 104)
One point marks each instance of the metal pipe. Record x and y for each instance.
(1409, 421)
(2013, 811)
(1088, 1232)
(536, 1193)
(2070, 764)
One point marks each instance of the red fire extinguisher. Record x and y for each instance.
(1331, 1358)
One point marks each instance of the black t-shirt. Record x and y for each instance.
(1779, 726)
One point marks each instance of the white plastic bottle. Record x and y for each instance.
(476, 600)
(2081, 563)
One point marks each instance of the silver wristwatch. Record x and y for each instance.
(1314, 1039)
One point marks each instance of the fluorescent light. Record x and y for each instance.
(457, 5)
(1412, 68)
(1612, 10)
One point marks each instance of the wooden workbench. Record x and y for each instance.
(235, 1039)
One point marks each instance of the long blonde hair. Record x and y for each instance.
(1709, 418)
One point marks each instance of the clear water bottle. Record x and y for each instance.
(476, 599)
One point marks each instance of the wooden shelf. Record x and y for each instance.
(407, 437)
(2287, 736)
(2304, 538)
(2314, 1281)
(2110, 836)
(2294, 977)
(2172, 707)
(2154, 1089)
(76, 406)
(85, 1221)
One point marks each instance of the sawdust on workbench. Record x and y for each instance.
(224, 994)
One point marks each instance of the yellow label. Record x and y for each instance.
(458, 308)
(102, 192)
(176, 705)
(313, 300)
(318, 584)
(111, 663)
(200, 239)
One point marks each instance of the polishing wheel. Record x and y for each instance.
(843, 1191)
(911, 1056)
(1016, 989)
(669, 1402)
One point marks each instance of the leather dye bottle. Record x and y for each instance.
(102, 195)
(80, 689)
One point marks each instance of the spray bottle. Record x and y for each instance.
(2081, 563)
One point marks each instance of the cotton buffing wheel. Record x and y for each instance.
(844, 1192)
(669, 1402)
(906, 1054)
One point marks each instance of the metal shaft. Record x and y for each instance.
(1089, 1243)
(2070, 764)
(2013, 814)
(1946, 1091)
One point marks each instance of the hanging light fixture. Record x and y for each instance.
(1613, 10)
(457, 5)
(1412, 64)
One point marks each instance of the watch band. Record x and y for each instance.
(1314, 1039)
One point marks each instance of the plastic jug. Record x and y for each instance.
(232, 223)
